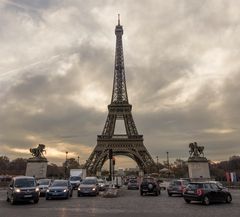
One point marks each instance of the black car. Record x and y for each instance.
(206, 192)
(149, 186)
(59, 189)
(22, 188)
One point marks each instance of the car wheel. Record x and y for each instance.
(169, 194)
(7, 198)
(79, 195)
(36, 200)
(47, 198)
(187, 201)
(156, 193)
(12, 201)
(206, 200)
(141, 193)
(228, 198)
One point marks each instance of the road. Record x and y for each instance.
(129, 203)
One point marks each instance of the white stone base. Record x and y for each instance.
(38, 169)
(198, 170)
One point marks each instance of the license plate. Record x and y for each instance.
(29, 195)
(54, 193)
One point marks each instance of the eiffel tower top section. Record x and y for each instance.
(119, 94)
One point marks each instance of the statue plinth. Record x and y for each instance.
(37, 167)
(198, 168)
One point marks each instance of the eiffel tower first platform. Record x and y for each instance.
(130, 144)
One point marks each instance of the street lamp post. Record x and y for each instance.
(78, 161)
(168, 163)
(66, 165)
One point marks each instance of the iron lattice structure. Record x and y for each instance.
(131, 144)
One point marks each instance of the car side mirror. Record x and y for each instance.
(11, 186)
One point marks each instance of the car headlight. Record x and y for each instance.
(17, 190)
(37, 189)
(93, 189)
(47, 190)
(79, 189)
(65, 190)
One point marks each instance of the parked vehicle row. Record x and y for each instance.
(25, 188)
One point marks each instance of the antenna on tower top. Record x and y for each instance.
(119, 19)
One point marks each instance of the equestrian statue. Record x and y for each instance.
(38, 152)
(195, 150)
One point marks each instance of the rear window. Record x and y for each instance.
(148, 180)
(176, 183)
(194, 186)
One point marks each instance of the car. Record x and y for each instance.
(133, 184)
(206, 193)
(59, 189)
(75, 181)
(163, 184)
(102, 184)
(43, 185)
(22, 188)
(176, 187)
(89, 186)
(149, 186)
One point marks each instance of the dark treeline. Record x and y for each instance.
(18, 167)
(178, 168)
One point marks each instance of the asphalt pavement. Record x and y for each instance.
(128, 203)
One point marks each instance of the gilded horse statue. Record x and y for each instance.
(38, 152)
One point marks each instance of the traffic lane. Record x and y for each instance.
(129, 203)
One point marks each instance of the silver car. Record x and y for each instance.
(43, 185)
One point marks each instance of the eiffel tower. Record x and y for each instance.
(129, 144)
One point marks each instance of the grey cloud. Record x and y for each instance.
(64, 48)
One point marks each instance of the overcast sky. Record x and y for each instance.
(182, 62)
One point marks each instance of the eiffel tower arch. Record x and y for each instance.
(129, 144)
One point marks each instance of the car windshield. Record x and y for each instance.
(89, 181)
(19, 183)
(59, 183)
(43, 182)
(75, 178)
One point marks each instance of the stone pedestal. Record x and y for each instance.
(198, 168)
(37, 167)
